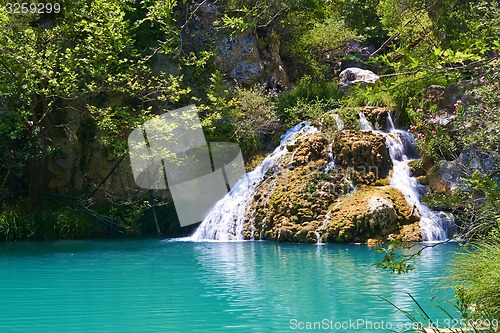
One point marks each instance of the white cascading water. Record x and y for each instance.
(364, 124)
(338, 122)
(331, 159)
(225, 220)
(435, 226)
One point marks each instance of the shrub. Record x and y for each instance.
(478, 120)
(350, 117)
(435, 142)
(309, 90)
(17, 222)
(247, 115)
(253, 116)
(331, 37)
(476, 279)
(14, 225)
(377, 95)
(306, 110)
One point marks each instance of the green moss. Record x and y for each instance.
(351, 220)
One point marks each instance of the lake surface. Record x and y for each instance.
(175, 286)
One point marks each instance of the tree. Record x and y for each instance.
(71, 62)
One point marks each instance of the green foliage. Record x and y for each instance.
(435, 142)
(478, 114)
(79, 75)
(444, 37)
(331, 36)
(17, 222)
(111, 121)
(469, 24)
(377, 95)
(246, 115)
(392, 262)
(408, 93)
(253, 116)
(310, 90)
(478, 120)
(326, 42)
(287, 16)
(456, 321)
(361, 16)
(409, 21)
(476, 279)
(480, 211)
(128, 215)
(215, 112)
(14, 146)
(307, 100)
(73, 224)
(350, 117)
(306, 110)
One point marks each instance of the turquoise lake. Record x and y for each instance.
(174, 286)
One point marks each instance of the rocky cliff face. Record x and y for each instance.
(248, 57)
(82, 162)
(312, 195)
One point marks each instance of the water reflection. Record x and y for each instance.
(312, 283)
(153, 286)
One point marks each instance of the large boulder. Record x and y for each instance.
(378, 212)
(353, 75)
(239, 57)
(251, 59)
(469, 160)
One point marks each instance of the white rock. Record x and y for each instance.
(354, 75)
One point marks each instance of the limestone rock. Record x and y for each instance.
(303, 201)
(469, 160)
(411, 233)
(250, 59)
(364, 152)
(239, 57)
(377, 116)
(354, 75)
(368, 213)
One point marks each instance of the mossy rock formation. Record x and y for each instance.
(371, 212)
(304, 201)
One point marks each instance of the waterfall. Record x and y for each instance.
(225, 220)
(435, 226)
(331, 159)
(365, 125)
(338, 122)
